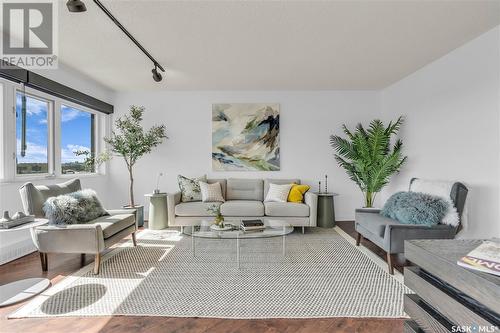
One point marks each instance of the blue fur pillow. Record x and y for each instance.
(73, 208)
(415, 208)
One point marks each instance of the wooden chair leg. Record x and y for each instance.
(390, 262)
(134, 240)
(97, 263)
(82, 259)
(303, 230)
(358, 238)
(44, 261)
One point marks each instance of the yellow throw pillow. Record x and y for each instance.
(296, 193)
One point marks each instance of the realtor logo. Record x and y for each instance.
(29, 34)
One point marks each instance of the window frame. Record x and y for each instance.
(98, 139)
(8, 167)
(50, 135)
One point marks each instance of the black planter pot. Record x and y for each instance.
(139, 214)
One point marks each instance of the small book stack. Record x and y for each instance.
(252, 225)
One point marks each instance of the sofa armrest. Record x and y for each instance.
(311, 199)
(74, 238)
(124, 211)
(368, 210)
(396, 234)
(120, 211)
(173, 199)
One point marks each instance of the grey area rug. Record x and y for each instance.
(322, 275)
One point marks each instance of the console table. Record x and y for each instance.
(448, 297)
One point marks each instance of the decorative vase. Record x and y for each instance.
(219, 221)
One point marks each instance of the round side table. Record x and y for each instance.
(326, 210)
(158, 218)
(18, 291)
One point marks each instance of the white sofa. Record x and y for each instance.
(245, 200)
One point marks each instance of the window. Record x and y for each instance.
(77, 140)
(32, 135)
(47, 136)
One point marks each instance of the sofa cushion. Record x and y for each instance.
(113, 224)
(297, 193)
(278, 192)
(211, 192)
(242, 208)
(374, 222)
(416, 208)
(268, 181)
(245, 189)
(222, 182)
(286, 209)
(190, 188)
(195, 208)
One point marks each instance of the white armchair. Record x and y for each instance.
(92, 237)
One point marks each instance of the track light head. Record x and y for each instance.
(76, 6)
(156, 75)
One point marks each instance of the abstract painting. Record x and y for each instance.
(245, 137)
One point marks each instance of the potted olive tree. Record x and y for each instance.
(368, 156)
(131, 141)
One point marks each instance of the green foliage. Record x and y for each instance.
(219, 219)
(214, 209)
(131, 141)
(89, 161)
(368, 157)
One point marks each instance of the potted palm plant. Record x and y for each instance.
(131, 141)
(368, 156)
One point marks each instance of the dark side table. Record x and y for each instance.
(326, 210)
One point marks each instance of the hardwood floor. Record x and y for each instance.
(62, 265)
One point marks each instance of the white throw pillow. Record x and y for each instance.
(211, 192)
(278, 193)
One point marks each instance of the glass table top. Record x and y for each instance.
(273, 228)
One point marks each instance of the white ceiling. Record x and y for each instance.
(268, 45)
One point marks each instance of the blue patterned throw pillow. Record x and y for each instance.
(415, 208)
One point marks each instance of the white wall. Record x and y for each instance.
(451, 132)
(307, 120)
(9, 196)
(452, 127)
(74, 79)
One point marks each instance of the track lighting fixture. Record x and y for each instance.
(77, 6)
(156, 76)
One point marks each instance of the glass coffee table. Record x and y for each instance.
(202, 230)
